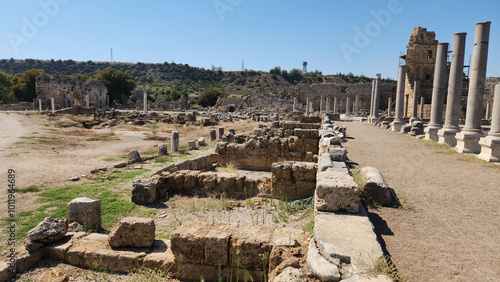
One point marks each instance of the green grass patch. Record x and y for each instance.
(163, 159)
(434, 144)
(110, 159)
(106, 137)
(54, 201)
(32, 188)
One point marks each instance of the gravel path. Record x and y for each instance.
(451, 228)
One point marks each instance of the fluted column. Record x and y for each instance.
(468, 139)
(447, 134)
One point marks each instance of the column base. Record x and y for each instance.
(447, 136)
(414, 119)
(490, 149)
(396, 126)
(468, 142)
(431, 133)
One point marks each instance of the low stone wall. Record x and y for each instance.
(206, 162)
(192, 182)
(293, 180)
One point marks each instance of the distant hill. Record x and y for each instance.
(184, 77)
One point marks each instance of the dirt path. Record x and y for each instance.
(451, 229)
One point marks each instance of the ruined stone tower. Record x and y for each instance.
(420, 60)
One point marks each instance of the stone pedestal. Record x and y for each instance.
(85, 211)
(212, 135)
(175, 141)
(468, 139)
(490, 145)
(221, 132)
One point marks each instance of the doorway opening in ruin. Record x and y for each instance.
(231, 108)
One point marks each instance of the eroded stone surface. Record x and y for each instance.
(49, 230)
(336, 191)
(133, 232)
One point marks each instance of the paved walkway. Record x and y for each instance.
(451, 229)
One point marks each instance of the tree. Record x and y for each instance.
(24, 89)
(185, 95)
(81, 76)
(276, 70)
(119, 83)
(209, 96)
(5, 84)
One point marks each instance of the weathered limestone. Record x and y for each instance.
(398, 122)
(490, 145)
(191, 144)
(321, 105)
(322, 269)
(356, 105)
(134, 156)
(468, 138)
(307, 106)
(221, 132)
(201, 142)
(85, 211)
(376, 98)
(49, 230)
(175, 141)
(294, 180)
(346, 238)
(144, 192)
(372, 100)
(212, 135)
(422, 102)
(447, 133)
(133, 232)
(335, 105)
(162, 149)
(375, 188)
(407, 98)
(327, 110)
(414, 103)
(336, 191)
(389, 107)
(347, 106)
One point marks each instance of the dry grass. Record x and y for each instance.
(381, 266)
(228, 168)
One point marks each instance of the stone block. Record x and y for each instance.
(339, 166)
(85, 211)
(162, 149)
(216, 245)
(59, 249)
(336, 191)
(160, 257)
(249, 246)
(322, 269)
(144, 192)
(49, 230)
(25, 260)
(194, 272)
(348, 238)
(338, 154)
(76, 253)
(286, 237)
(5, 271)
(304, 171)
(134, 157)
(324, 162)
(188, 240)
(133, 232)
(114, 260)
(191, 144)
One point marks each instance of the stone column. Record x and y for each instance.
(307, 106)
(398, 122)
(389, 107)
(40, 105)
(447, 134)
(407, 97)
(327, 107)
(488, 106)
(347, 107)
(438, 92)
(422, 103)
(414, 104)
(212, 135)
(335, 105)
(376, 98)
(175, 141)
(372, 100)
(356, 105)
(52, 104)
(87, 100)
(145, 102)
(221, 132)
(294, 103)
(468, 138)
(490, 145)
(321, 105)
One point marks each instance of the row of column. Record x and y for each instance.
(471, 138)
(355, 106)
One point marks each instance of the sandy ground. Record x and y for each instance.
(450, 229)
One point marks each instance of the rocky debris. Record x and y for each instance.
(120, 165)
(133, 232)
(416, 128)
(144, 192)
(336, 191)
(191, 145)
(375, 188)
(85, 211)
(338, 154)
(290, 274)
(201, 142)
(32, 245)
(322, 269)
(75, 227)
(49, 230)
(162, 149)
(74, 178)
(53, 275)
(134, 157)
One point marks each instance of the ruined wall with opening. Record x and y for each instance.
(69, 91)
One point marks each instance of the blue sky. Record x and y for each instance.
(263, 33)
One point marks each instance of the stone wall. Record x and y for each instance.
(69, 91)
(293, 180)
